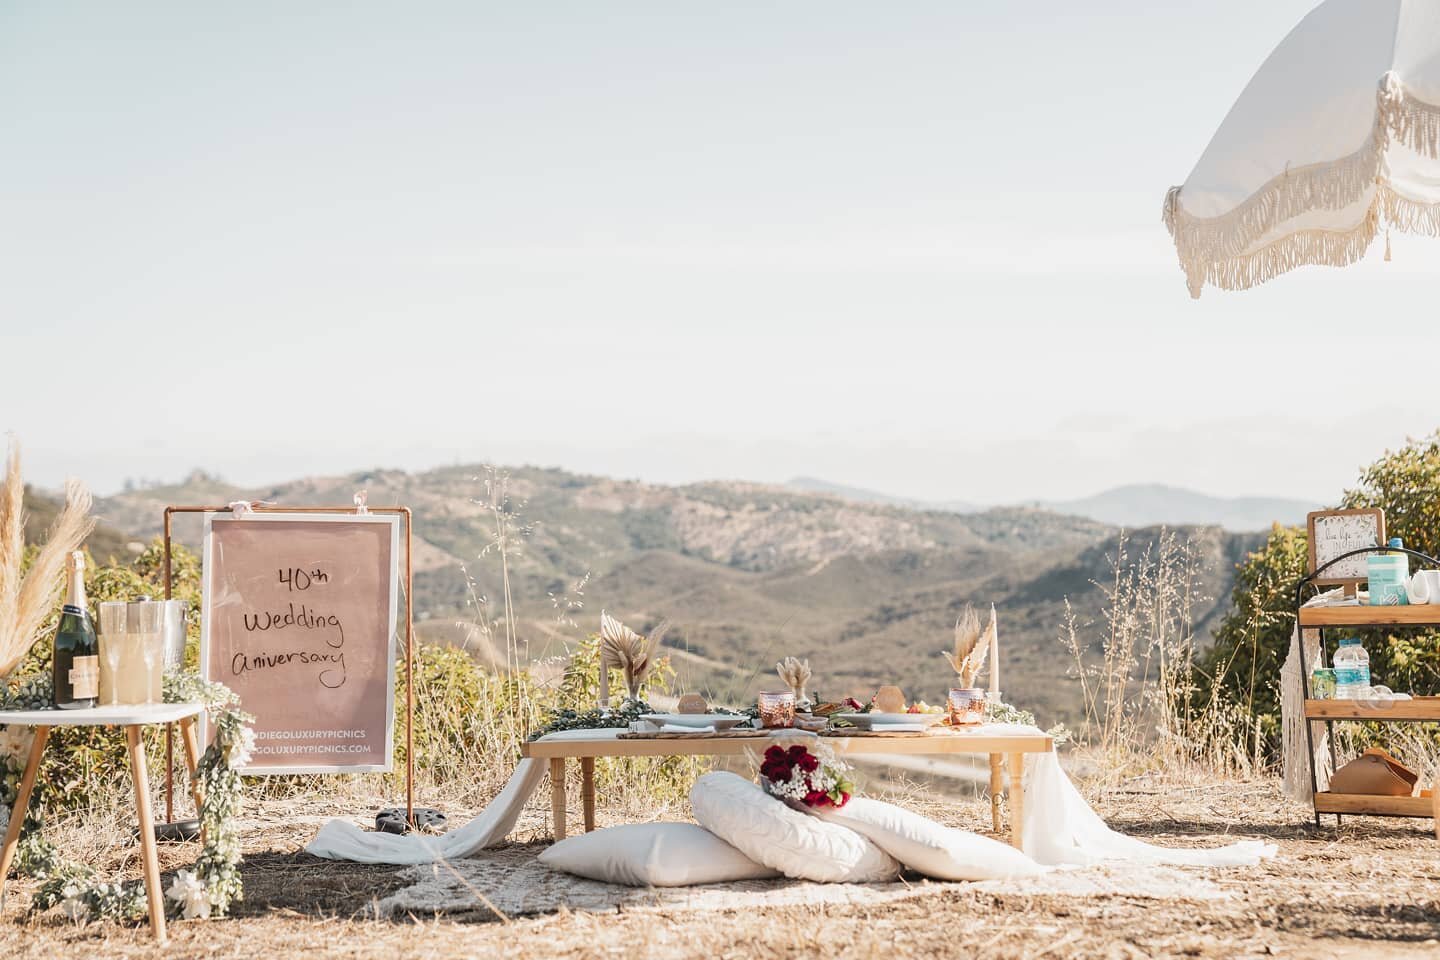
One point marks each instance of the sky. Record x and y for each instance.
(910, 246)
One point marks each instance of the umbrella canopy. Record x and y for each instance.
(1336, 136)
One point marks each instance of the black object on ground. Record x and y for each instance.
(427, 820)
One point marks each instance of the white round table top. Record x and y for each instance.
(119, 715)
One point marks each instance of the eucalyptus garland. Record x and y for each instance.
(616, 718)
(76, 887)
(594, 719)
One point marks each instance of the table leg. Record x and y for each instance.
(557, 797)
(22, 804)
(587, 791)
(1435, 805)
(169, 773)
(997, 788)
(192, 758)
(148, 857)
(1017, 800)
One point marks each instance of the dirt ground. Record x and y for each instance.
(1370, 888)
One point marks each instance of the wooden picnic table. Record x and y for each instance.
(942, 741)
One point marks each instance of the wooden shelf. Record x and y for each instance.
(1415, 615)
(1364, 803)
(1422, 708)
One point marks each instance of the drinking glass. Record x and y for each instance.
(777, 710)
(147, 626)
(112, 643)
(967, 706)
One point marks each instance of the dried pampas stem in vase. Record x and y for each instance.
(796, 673)
(624, 648)
(969, 656)
(26, 599)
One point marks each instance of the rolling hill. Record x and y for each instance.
(746, 573)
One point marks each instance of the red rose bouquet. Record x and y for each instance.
(806, 776)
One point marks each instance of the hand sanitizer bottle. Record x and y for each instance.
(1388, 573)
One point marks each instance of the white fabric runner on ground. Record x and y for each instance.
(1060, 827)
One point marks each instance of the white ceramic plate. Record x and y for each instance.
(720, 721)
(864, 720)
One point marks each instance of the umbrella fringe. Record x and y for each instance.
(1411, 121)
(1409, 216)
(1299, 249)
(1217, 250)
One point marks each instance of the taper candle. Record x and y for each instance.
(994, 652)
(604, 681)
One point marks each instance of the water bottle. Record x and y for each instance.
(1352, 670)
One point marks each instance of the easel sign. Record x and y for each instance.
(1332, 533)
(298, 618)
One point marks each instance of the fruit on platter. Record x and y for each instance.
(920, 706)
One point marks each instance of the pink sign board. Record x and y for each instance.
(298, 618)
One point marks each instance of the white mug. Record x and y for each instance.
(1424, 587)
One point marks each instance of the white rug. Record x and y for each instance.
(511, 880)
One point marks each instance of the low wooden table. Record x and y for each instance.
(997, 745)
(132, 718)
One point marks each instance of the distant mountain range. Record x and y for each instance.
(1130, 506)
(814, 485)
(1145, 505)
(746, 573)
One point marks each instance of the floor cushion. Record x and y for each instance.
(928, 847)
(653, 855)
(797, 844)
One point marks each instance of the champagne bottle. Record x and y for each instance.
(76, 659)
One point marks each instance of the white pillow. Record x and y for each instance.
(769, 832)
(928, 847)
(653, 855)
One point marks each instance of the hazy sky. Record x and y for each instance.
(913, 246)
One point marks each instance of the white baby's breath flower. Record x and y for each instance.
(189, 891)
(243, 748)
(71, 905)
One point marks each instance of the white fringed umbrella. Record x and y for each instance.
(1336, 137)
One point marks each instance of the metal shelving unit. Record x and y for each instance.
(1417, 710)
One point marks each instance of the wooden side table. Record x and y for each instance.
(133, 719)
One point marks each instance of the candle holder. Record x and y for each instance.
(967, 706)
(777, 709)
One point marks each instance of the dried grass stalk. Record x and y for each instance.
(633, 654)
(971, 646)
(27, 597)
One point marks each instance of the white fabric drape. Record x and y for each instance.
(342, 840)
(1295, 766)
(1060, 827)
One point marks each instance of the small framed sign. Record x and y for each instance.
(1336, 532)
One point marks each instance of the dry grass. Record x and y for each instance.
(1138, 675)
(1368, 889)
(28, 595)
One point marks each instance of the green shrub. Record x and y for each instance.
(470, 722)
